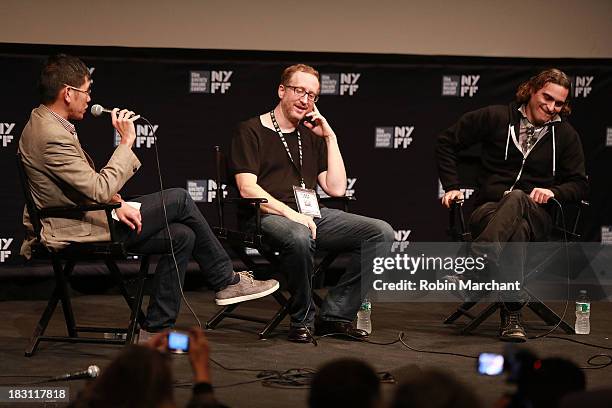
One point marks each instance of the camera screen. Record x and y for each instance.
(178, 342)
(490, 364)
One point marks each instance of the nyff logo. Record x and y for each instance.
(5, 243)
(350, 188)
(393, 137)
(402, 235)
(211, 82)
(204, 191)
(145, 136)
(582, 86)
(348, 83)
(5, 133)
(460, 85)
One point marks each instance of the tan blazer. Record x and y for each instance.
(62, 174)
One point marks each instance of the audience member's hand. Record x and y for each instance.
(130, 216)
(159, 341)
(305, 220)
(541, 195)
(123, 121)
(450, 196)
(199, 353)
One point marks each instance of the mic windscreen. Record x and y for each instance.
(97, 110)
(93, 370)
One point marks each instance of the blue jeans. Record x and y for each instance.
(336, 231)
(191, 236)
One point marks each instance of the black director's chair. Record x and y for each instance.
(63, 262)
(241, 242)
(459, 232)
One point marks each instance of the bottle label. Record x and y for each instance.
(583, 307)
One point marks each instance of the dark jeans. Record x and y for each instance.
(515, 219)
(191, 236)
(336, 231)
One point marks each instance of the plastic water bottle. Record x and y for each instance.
(583, 311)
(364, 322)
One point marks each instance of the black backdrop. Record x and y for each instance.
(386, 110)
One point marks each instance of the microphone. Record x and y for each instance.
(92, 372)
(97, 110)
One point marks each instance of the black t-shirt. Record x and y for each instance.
(260, 151)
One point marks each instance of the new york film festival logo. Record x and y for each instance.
(582, 86)
(606, 234)
(7, 133)
(343, 84)
(145, 136)
(5, 244)
(350, 188)
(210, 82)
(393, 137)
(204, 191)
(467, 192)
(460, 85)
(402, 235)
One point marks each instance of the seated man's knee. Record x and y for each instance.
(299, 240)
(183, 237)
(381, 231)
(516, 196)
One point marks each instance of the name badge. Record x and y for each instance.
(306, 200)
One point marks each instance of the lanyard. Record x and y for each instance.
(282, 137)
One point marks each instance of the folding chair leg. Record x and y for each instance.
(484, 315)
(461, 311)
(116, 273)
(41, 327)
(275, 321)
(220, 315)
(62, 284)
(550, 317)
(137, 316)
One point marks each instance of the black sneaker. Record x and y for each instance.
(511, 328)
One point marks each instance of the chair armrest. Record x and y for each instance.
(251, 201)
(343, 199)
(64, 212)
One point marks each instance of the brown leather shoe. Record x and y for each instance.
(340, 329)
(299, 335)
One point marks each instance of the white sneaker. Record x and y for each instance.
(248, 288)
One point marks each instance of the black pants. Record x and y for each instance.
(515, 219)
(191, 236)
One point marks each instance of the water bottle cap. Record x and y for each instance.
(583, 291)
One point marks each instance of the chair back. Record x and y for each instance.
(27, 193)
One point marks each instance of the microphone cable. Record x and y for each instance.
(567, 264)
(163, 202)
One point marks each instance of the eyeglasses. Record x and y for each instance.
(88, 91)
(300, 92)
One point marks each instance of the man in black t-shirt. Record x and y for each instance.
(293, 146)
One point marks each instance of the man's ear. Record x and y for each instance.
(281, 91)
(65, 95)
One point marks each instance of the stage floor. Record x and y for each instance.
(235, 345)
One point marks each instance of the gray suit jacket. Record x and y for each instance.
(62, 174)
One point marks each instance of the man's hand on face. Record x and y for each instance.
(317, 123)
(541, 195)
(123, 121)
(130, 216)
(305, 220)
(451, 196)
